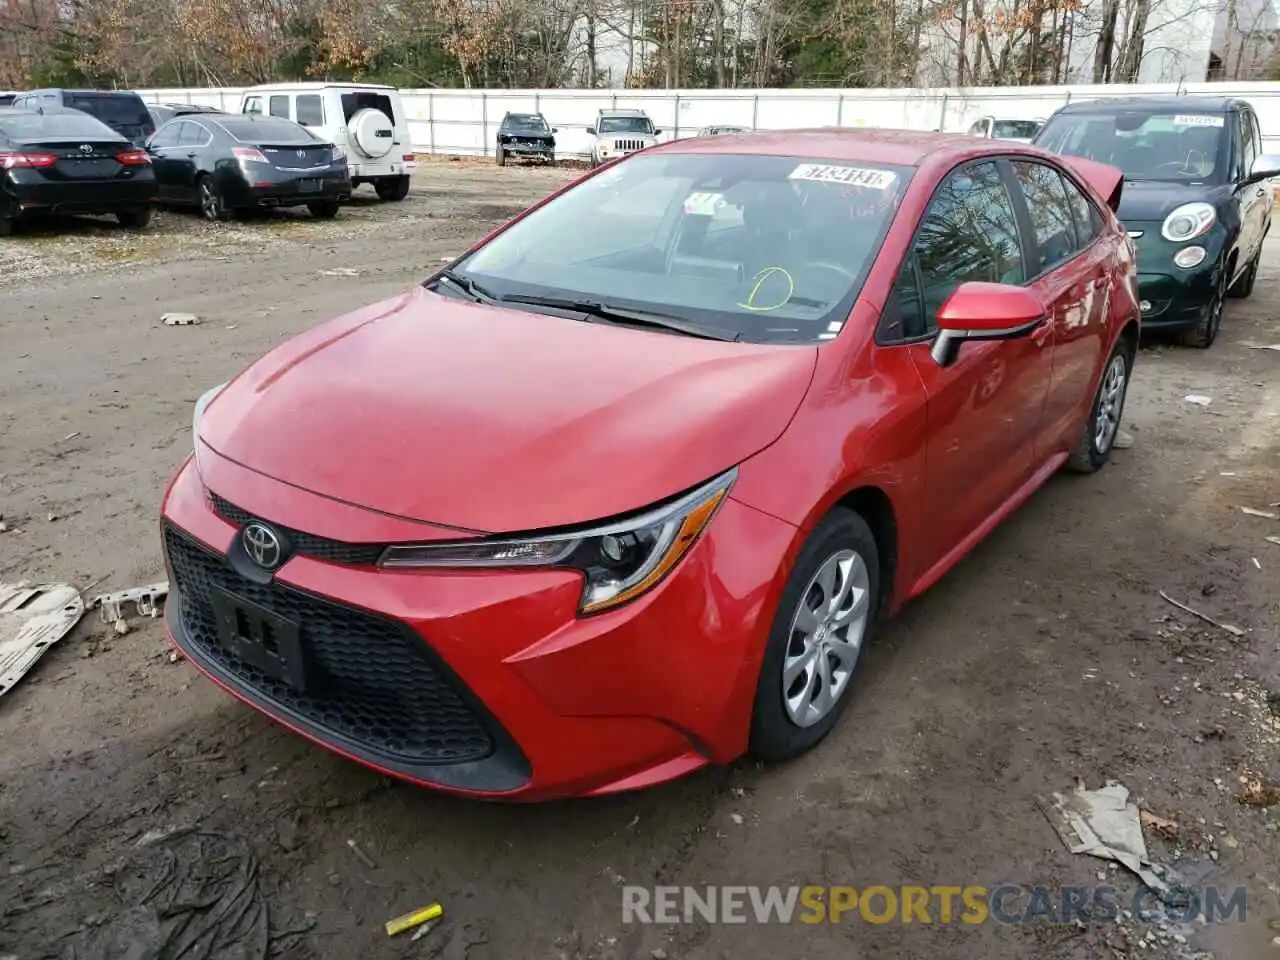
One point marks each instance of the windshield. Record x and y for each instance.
(1015, 129)
(1145, 145)
(55, 126)
(263, 129)
(625, 125)
(764, 248)
(525, 125)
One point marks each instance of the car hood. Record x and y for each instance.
(1148, 200)
(497, 420)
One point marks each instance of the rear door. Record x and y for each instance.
(1072, 259)
(193, 140)
(983, 410)
(163, 148)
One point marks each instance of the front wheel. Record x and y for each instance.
(824, 620)
(501, 157)
(1100, 430)
(324, 209)
(1244, 286)
(392, 188)
(1205, 332)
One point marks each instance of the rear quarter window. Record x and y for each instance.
(353, 103)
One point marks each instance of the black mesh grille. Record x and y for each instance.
(370, 680)
(308, 544)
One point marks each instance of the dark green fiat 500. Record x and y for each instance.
(1196, 198)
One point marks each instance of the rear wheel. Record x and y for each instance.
(134, 219)
(822, 623)
(324, 209)
(392, 188)
(212, 205)
(1205, 332)
(1103, 425)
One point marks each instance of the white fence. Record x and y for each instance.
(465, 122)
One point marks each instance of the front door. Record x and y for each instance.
(984, 411)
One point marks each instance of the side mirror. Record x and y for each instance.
(1265, 167)
(985, 311)
(657, 133)
(555, 129)
(591, 130)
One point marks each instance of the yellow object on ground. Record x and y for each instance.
(415, 919)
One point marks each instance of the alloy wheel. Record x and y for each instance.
(210, 202)
(826, 638)
(1110, 403)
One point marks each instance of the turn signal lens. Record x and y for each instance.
(249, 154)
(10, 161)
(133, 158)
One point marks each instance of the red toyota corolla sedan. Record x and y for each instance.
(624, 490)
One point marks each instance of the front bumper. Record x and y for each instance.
(1175, 299)
(483, 683)
(535, 151)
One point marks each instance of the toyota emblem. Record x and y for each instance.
(263, 545)
(86, 148)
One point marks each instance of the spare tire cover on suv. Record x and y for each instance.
(372, 132)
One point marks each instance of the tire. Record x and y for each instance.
(392, 188)
(6, 226)
(324, 209)
(1106, 413)
(501, 157)
(1205, 332)
(135, 219)
(1244, 286)
(783, 727)
(213, 207)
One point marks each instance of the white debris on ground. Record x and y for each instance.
(33, 617)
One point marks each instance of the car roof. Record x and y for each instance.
(1109, 104)
(622, 112)
(906, 148)
(86, 92)
(316, 85)
(520, 116)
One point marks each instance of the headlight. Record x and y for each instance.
(339, 156)
(1188, 221)
(620, 560)
(1189, 257)
(206, 398)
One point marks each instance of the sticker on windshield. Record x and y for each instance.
(852, 176)
(1198, 120)
(704, 204)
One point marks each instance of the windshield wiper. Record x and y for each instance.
(623, 317)
(468, 286)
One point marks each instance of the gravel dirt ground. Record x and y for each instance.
(1048, 655)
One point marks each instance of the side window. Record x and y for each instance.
(167, 135)
(1088, 220)
(904, 317)
(1051, 214)
(969, 233)
(252, 105)
(310, 110)
(278, 106)
(1248, 143)
(193, 135)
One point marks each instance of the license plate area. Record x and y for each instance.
(260, 637)
(309, 186)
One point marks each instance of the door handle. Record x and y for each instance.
(191, 156)
(1262, 192)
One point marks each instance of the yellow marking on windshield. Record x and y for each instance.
(760, 278)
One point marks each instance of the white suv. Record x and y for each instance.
(619, 132)
(366, 120)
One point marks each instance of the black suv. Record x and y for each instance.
(526, 135)
(121, 110)
(1196, 198)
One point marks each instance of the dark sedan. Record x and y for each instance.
(68, 162)
(1195, 198)
(241, 163)
(526, 136)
